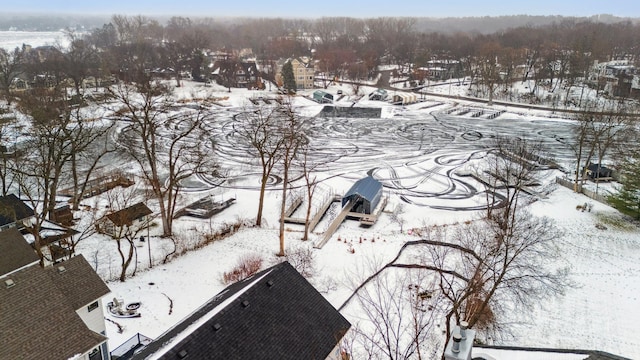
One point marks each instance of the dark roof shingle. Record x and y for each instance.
(13, 209)
(38, 321)
(278, 316)
(15, 252)
(78, 282)
(128, 215)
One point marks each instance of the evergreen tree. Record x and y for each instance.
(288, 77)
(627, 200)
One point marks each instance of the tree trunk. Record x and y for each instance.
(263, 185)
(285, 180)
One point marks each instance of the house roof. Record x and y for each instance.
(490, 352)
(276, 314)
(38, 320)
(128, 215)
(15, 252)
(13, 209)
(78, 282)
(50, 232)
(367, 188)
(598, 167)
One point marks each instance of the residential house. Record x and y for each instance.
(613, 77)
(50, 313)
(14, 212)
(439, 69)
(236, 74)
(303, 72)
(136, 216)
(54, 238)
(275, 314)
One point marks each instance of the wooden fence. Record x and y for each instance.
(590, 194)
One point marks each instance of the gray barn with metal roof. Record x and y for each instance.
(366, 192)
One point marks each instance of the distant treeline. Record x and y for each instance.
(449, 25)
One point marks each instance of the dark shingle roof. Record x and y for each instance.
(78, 282)
(38, 321)
(15, 252)
(276, 314)
(126, 216)
(13, 209)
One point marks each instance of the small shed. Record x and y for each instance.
(366, 193)
(322, 97)
(599, 172)
(135, 216)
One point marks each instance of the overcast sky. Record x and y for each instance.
(350, 8)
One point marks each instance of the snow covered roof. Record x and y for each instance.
(276, 314)
(50, 232)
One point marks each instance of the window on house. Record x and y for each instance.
(95, 354)
(93, 306)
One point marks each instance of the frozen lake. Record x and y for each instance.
(9, 40)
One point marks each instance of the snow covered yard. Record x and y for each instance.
(598, 312)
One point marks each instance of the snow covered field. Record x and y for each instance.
(421, 156)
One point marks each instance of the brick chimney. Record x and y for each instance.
(460, 344)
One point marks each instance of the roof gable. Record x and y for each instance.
(276, 314)
(367, 188)
(127, 215)
(15, 252)
(13, 209)
(78, 281)
(38, 321)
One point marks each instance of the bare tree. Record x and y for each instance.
(124, 232)
(292, 138)
(58, 134)
(8, 155)
(489, 68)
(166, 145)
(496, 260)
(259, 130)
(596, 130)
(400, 308)
(11, 66)
(396, 216)
(310, 180)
